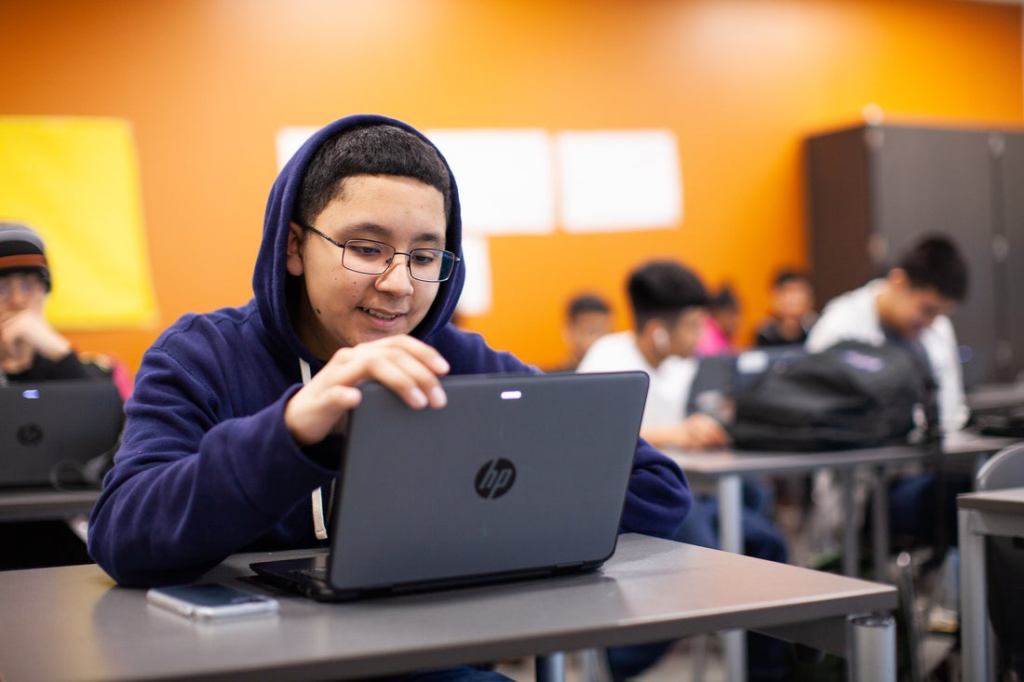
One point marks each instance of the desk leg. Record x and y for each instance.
(851, 553)
(551, 667)
(880, 525)
(730, 530)
(973, 606)
(872, 656)
(730, 513)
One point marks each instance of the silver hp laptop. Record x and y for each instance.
(518, 476)
(51, 431)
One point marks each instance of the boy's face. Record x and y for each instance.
(584, 329)
(21, 291)
(907, 309)
(347, 308)
(728, 320)
(792, 300)
(914, 309)
(685, 333)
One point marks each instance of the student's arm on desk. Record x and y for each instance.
(658, 497)
(191, 484)
(696, 432)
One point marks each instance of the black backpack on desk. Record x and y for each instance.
(851, 395)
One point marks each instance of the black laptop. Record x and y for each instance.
(519, 476)
(50, 432)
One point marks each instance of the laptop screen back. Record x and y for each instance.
(49, 429)
(517, 473)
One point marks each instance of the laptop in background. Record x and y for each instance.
(518, 476)
(49, 431)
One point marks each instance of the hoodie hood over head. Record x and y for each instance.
(270, 277)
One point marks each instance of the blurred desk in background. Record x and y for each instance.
(43, 504)
(996, 396)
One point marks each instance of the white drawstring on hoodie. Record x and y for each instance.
(319, 526)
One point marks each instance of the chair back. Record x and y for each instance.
(1004, 561)
(1004, 470)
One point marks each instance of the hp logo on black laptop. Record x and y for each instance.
(495, 478)
(32, 434)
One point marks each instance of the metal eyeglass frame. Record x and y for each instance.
(408, 255)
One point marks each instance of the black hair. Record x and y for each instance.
(663, 290)
(587, 303)
(936, 263)
(369, 150)
(724, 299)
(787, 275)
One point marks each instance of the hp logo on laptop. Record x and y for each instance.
(495, 478)
(32, 434)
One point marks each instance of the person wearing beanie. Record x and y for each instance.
(31, 350)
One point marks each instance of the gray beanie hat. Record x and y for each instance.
(22, 250)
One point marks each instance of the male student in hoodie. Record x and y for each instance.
(237, 416)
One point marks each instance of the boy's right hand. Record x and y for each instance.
(696, 432)
(702, 431)
(23, 335)
(407, 366)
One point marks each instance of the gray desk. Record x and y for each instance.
(997, 512)
(722, 471)
(970, 443)
(995, 396)
(32, 505)
(71, 623)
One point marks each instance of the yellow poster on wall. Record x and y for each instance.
(76, 182)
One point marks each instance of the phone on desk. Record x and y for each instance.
(210, 601)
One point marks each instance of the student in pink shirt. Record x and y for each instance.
(720, 324)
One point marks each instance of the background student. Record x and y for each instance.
(720, 324)
(908, 307)
(33, 352)
(669, 308)
(588, 317)
(792, 311)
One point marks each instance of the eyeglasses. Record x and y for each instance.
(30, 286)
(369, 257)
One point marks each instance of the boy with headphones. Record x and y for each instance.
(669, 305)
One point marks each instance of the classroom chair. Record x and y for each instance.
(1004, 561)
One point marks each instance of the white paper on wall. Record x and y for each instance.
(619, 180)
(288, 142)
(476, 294)
(505, 178)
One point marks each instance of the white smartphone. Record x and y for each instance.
(209, 601)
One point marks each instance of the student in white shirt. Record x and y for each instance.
(909, 306)
(669, 305)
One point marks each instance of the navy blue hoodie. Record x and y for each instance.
(207, 468)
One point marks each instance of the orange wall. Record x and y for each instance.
(207, 83)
